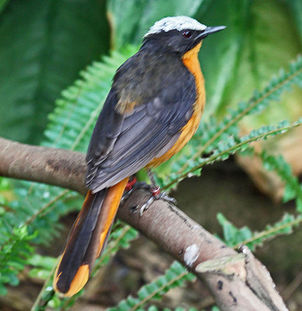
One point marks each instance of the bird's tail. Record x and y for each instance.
(87, 239)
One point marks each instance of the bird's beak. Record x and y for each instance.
(208, 31)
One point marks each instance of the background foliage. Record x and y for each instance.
(45, 100)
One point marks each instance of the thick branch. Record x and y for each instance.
(52, 166)
(238, 282)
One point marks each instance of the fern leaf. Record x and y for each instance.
(258, 102)
(176, 275)
(225, 149)
(76, 112)
(293, 189)
(14, 252)
(235, 237)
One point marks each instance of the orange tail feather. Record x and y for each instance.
(87, 239)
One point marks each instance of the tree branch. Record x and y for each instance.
(237, 281)
(52, 166)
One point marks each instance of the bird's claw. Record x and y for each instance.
(163, 196)
(156, 195)
(145, 206)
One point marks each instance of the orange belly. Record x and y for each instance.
(190, 60)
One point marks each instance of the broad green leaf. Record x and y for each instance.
(270, 42)
(296, 10)
(131, 19)
(243, 57)
(220, 52)
(43, 46)
(3, 3)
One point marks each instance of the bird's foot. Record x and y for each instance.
(133, 185)
(155, 195)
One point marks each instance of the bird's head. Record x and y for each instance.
(177, 34)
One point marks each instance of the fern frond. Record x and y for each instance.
(235, 237)
(258, 102)
(14, 252)
(42, 265)
(175, 276)
(293, 189)
(76, 112)
(225, 149)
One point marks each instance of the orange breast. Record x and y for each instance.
(190, 60)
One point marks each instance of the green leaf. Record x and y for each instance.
(220, 53)
(223, 150)
(14, 251)
(235, 237)
(43, 46)
(45, 262)
(175, 276)
(74, 117)
(296, 11)
(293, 189)
(262, 54)
(231, 234)
(131, 19)
(3, 3)
(39, 273)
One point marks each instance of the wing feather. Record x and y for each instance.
(122, 144)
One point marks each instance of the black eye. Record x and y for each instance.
(187, 33)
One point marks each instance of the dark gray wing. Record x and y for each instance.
(122, 144)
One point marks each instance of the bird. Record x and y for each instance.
(152, 110)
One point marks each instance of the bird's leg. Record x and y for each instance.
(130, 187)
(133, 185)
(131, 182)
(156, 194)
